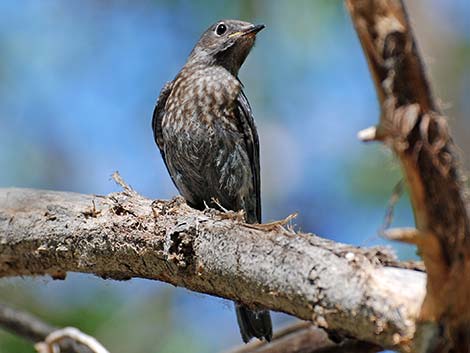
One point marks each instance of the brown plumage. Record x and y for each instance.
(204, 128)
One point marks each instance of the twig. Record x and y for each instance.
(273, 225)
(33, 329)
(51, 343)
(394, 198)
(120, 181)
(24, 324)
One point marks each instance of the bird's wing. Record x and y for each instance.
(248, 127)
(157, 118)
(158, 114)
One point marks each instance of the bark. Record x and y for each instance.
(124, 235)
(412, 124)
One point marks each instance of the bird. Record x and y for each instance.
(204, 127)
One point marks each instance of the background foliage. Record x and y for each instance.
(78, 82)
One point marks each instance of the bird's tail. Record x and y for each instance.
(254, 323)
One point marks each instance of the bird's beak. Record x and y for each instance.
(249, 31)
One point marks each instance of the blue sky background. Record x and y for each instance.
(78, 83)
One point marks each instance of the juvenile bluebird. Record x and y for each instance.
(204, 128)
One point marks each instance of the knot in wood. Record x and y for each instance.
(179, 245)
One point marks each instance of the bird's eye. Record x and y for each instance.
(221, 29)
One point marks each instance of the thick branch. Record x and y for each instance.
(125, 235)
(412, 125)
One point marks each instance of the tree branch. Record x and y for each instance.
(124, 235)
(33, 329)
(23, 324)
(303, 337)
(413, 126)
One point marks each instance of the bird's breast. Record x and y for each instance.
(202, 96)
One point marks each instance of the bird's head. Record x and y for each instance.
(226, 43)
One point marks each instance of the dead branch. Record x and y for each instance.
(413, 126)
(124, 235)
